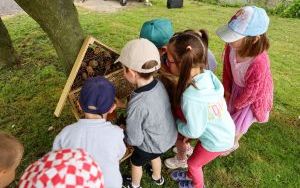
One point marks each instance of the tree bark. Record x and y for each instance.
(59, 19)
(8, 55)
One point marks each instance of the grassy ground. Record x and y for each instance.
(269, 154)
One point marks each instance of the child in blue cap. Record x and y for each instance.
(102, 140)
(247, 76)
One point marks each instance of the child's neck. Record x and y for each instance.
(95, 116)
(142, 82)
(240, 59)
(195, 71)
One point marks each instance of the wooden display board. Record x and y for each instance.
(94, 59)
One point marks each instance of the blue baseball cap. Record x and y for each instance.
(248, 21)
(158, 31)
(97, 95)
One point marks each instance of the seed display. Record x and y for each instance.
(97, 61)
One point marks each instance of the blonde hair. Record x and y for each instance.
(11, 150)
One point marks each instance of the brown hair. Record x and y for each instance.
(10, 150)
(147, 65)
(189, 49)
(202, 34)
(251, 46)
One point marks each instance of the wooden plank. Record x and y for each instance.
(107, 47)
(72, 76)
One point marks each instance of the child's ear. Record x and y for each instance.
(162, 50)
(132, 73)
(112, 108)
(2, 172)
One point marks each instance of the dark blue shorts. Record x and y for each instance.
(140, 157)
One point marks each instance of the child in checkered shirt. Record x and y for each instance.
(11, 152)
(63, 168)
(99, 137)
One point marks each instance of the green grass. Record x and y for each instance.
(269, 154)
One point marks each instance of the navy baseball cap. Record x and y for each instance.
(97, 95)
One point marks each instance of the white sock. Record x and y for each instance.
(155, 178)
(135, 186)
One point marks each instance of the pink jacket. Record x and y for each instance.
(258, 90)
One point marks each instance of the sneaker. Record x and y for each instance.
(160, 181)
(185, 184)
(129, 185)
(174, 163)
(179, 175)
(127, 178)
(189, 152)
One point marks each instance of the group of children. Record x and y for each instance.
(177, 99)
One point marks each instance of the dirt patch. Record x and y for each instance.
(9, 7)
(106, 5)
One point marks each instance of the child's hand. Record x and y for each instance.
(227, 96)
(119, 103)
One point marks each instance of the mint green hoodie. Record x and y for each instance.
(206, 114)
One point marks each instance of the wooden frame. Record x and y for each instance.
(74, 72)
(123, 89)
(94, 59)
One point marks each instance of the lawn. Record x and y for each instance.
(269, 155)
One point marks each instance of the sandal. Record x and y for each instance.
(179, 175)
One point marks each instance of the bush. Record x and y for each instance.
(293, 10)
(286, 8)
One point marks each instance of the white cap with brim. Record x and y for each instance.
(137, 52)
(228, 35)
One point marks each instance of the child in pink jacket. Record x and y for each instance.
(247, 76)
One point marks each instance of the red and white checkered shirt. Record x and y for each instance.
(67, 168)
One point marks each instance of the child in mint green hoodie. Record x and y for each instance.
(200, 95)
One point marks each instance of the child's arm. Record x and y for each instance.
(196, 119)
(122, 147)
(227, 75)
(134, 121)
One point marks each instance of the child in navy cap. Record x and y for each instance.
(102, 140)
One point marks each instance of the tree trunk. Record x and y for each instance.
(8, 55)
(59, 19)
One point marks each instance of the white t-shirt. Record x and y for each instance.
(102, 140)
(239, 69)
